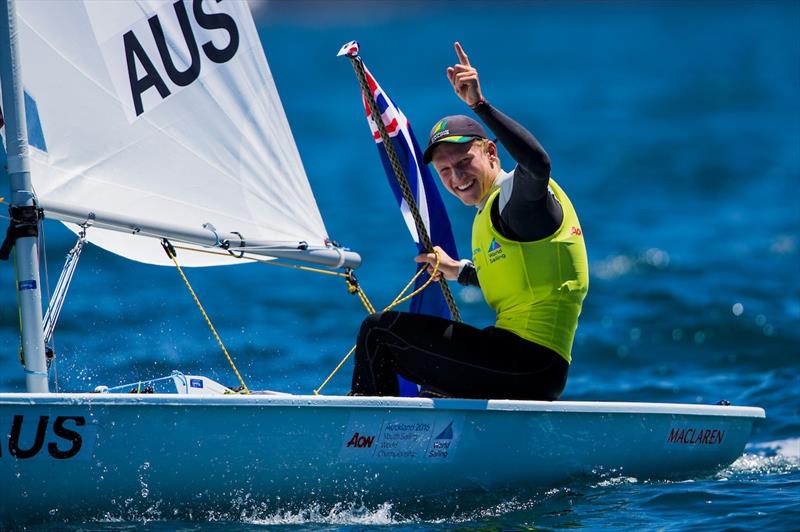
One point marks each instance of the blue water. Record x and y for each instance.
(675, 129)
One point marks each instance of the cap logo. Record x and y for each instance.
(440, 126)
(439, 134)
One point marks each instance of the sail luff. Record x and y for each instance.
(206, 237)
(23, 205)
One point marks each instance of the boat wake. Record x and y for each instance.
(463, 509)
(339, 514)
(560, 505)
(318, 515)
(433, 514)
(767, 458)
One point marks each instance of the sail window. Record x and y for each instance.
(35, 132)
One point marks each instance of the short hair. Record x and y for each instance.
(484, 144)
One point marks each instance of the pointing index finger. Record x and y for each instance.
(462, 55)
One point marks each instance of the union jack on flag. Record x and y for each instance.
(423, 187)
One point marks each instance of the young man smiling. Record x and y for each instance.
(528, 257)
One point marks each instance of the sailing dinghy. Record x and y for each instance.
(155, 120)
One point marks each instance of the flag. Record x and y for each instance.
(423, 187)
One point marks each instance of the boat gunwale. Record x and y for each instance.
(500, 405)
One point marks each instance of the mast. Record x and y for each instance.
(24, 211)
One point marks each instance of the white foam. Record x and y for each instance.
(339, 514)
(766, 458)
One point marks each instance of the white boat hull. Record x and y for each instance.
(101, 454)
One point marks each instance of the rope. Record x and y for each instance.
(49, 351)
(170, 250)
(335, 371)
(399, 300)
(62, 287)
(353, 287)
(408, 196)
(396, 301)
(264, 261)
(138, 384)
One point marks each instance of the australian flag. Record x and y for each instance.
(423, 187)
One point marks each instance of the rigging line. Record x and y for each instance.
(365, 300)
(43, 247)
(263, 261)
(397, 300)
(402, 180)
(171, 254)
(335, 370)
(354, 287)
(137, 383)
(59, 296)
(277, 244)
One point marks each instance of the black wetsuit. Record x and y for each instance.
(458, 359)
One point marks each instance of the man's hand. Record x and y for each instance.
(464, 78)
(447, 266)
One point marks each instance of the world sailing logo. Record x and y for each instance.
(446, 434)
(495, 251)
(440, 447)
(161, 55)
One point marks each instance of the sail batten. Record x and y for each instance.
(121, 136)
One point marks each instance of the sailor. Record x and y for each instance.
(528, 258)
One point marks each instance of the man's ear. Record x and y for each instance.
(491, 151)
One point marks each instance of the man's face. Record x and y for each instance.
(466, 170)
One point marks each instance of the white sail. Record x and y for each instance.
(163, 111)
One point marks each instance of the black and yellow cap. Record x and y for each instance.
(457, 129)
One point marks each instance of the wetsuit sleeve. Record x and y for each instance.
(530, 213)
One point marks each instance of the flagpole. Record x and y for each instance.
(424, 238)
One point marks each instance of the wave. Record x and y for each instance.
(767, 458)
(771, 463)
(339, 514)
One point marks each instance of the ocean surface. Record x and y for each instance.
(674, 127)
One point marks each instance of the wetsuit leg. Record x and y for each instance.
(459, 359)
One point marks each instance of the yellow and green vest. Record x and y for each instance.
(536, 288)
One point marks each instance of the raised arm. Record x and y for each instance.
(525, 211)
(533, 161)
